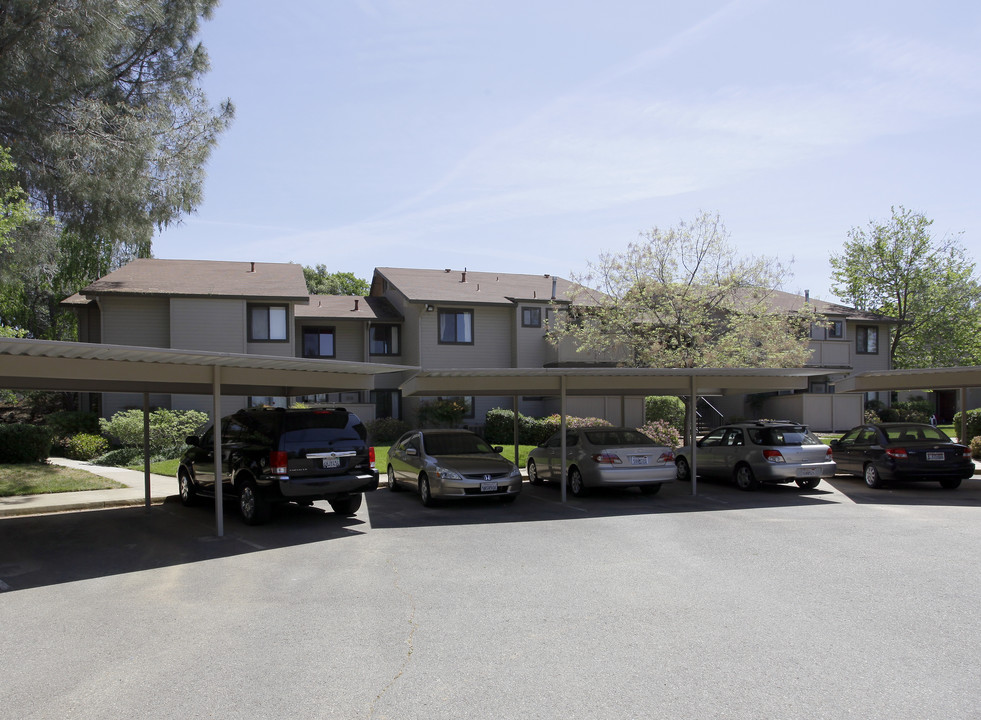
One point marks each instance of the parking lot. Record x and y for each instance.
(840, 602)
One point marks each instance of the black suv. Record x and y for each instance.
(272, 455)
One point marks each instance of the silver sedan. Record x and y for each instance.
(766, 451)
(603, 456)
(451, 464)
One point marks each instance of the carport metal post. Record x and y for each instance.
(693, 432)
(216, 413)
(146, 448)
(562, 426)
(516, 451)
(962, 437)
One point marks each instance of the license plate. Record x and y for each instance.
(808, 472)
(640, 460)
(488, 487)
(332, 462)
(935, 456)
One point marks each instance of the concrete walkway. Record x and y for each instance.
(161, 487)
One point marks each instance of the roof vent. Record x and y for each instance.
(807, 296)
(546, 274)
(553, 287)
(464, 275)
(252, 269)
(447, 270)
(356, 301)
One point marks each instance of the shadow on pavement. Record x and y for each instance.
(41, 550)
(909, 493)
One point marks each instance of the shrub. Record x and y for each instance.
(976, 447)
(499, 428)
(386, 430)
(917, 410)
(665, 408)
(662, 433)
(23, 443)
(441, 413)
(66, 423)
(84, 446)
(168, 428)
(120, 457)
(872, 417)
(973, 423)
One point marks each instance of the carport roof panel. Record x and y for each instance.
(72, 366)
(917, 379)
(604, 381)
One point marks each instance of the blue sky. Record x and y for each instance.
(531, 136)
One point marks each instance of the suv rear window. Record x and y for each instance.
(783, 435)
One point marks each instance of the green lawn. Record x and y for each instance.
(169, 467)
(42, 478)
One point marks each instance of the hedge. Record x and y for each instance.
(973, 423)
(23, 443)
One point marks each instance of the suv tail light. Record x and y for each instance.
(371, 456)
(897, 453)
(277, 462)
(607, 459)
(773, 456)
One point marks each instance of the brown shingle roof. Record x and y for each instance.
(790, 303)
(469, 286)
(337, 307)
(204, 278)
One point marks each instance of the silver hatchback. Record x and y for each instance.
(451, 464)
(603, 456)
(760, 452)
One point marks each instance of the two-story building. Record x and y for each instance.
(432, 319)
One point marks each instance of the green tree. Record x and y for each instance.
(321, 282)
(682, 297)
(101, 109)
(14, 208)
(897, 268)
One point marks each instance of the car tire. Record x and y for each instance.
(682, 470)
(950, 483)
(872, 477)
(348, 505)
(304, 503)
(533, 477)
(392, 482)
(185, 485)
(808, 483)
(252, 507)
(745, 479)
(576, 486)
(652, 489)
(425, 492)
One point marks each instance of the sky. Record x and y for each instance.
(533, 136)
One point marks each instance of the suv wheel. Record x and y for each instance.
(346, 506)
(392, 482)
(189, 494)
(253, 508)
(808, 483)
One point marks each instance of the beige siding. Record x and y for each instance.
(492, 340)
(113, 403)
(211, 324)
(530, 346)
(862, 362)
(135, 321)
(204, 403)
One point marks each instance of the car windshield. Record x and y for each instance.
(615, 438)
(915, 433)
(783, 435)
(455, 444)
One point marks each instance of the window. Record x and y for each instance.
(318, 342)
(267, 323)
(388, 403)
(531, 317)
(867, 340)
(456, 327)
(383, 340)
(836, 329)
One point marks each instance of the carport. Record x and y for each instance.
(90, 367)
(565, 381)
(952, 378)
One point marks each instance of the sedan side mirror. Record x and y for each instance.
(411, 451)
(835, 443)
(498, 449)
